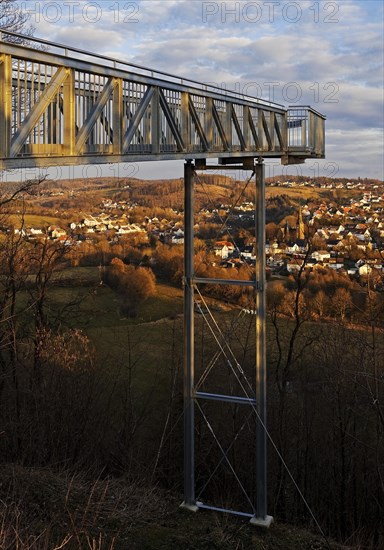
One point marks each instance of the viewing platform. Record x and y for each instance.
(64, 106)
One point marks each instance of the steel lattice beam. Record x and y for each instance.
(75, 107)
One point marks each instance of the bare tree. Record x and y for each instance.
(17, 190)
(14, 19)
(134, 284)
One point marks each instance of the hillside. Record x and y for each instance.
(110, 480)
(42, 509)
(210, 190)
(91, 380)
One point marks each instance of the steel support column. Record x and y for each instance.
(5, 104)
(261, 518)
(189, 413)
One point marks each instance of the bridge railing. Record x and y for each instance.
(68, 106)
(306, 130)
(107, 61)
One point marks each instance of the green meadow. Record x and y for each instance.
(36, 221)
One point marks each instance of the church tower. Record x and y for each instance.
(300, 226)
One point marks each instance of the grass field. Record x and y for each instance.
(36, 221)
(153, 340)
(305, 193)
(95, 308)
(99, 305)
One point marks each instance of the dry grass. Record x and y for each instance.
(45, 510)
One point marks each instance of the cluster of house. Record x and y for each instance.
(80, 230)
(360, 185)
(291, 257)
(337, 231)
(344, 238)
(103, 223)
(294, 258)
(109, 204)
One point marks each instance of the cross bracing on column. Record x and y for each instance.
(225, 460)
(239, 503)
(200, 397)
(224, 360)
(226, 453)
(226, 352)
(67, 106)
(224, 226)
(256, 285)
(226, 349)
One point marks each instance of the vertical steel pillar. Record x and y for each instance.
(189, 412)
(5, 105)
(261, 518)
(69, 102)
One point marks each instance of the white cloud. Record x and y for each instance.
(88, 38)
(334, 54)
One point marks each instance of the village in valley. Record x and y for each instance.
(343, 230)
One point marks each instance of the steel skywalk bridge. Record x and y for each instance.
(64, 106)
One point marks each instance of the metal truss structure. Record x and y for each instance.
(64, 106)
(252, 393)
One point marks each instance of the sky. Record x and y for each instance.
(327, 54)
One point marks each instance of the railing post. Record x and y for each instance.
(69, 113)
(228, 124)
(118, 117)
(155, 122)
(246, 127)
(5, 105)
(209, 121)
(260, 131)
(185, 131)
(304, 127)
